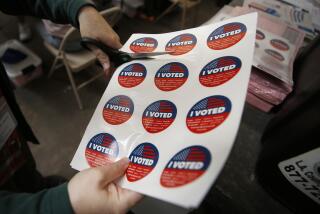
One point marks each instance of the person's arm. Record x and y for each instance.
(80, 13)
(90, 191)
(53, 200)
(59, 11)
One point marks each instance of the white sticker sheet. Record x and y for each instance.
(176, 116)
(303, 172)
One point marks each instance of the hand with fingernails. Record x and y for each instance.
(93, 25)
(94, 190)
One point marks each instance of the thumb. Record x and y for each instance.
(113, 171)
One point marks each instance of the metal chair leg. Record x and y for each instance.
(166, 11)
(52, 68)
(73, 84)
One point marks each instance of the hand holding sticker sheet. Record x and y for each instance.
(175, 117)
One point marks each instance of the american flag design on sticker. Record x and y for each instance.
(158, 116)
(219, 71)
(181, 44)
(143, 159)
(171, 76)
(132, 75)
(279, 44)
(101, 149)
(208, 114)
(142, 45)
(118, 110)
(186, 166)
(226, 36)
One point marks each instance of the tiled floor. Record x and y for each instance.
(51, 110)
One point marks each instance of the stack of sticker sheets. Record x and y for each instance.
(175, 117)
(276, 48)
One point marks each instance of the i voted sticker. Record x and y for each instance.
(219, 71)
(260, 35)
(146, 44)
(208, 114)
(280, 45)
(181, 44)
(132, 75)
(101, 149)
(118, 110)
(143, 159)
(226, 36)
(171, 76)
(186, 166)
(158, 116)
(275, 54)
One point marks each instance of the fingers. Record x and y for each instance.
(102, 58)
(113, 171)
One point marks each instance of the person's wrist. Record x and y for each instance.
(73, 197)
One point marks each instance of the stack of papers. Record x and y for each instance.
(293, 16)
(310, 6)
(276, 47)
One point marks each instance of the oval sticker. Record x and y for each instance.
(101, 149)
(275, 54)
(143, 159)
(208, 114)
(181, 44)
(219, 71)
(158, 116)
(260, 35)
(186, 166)
(226, 36)
(171, 76)
(280, 45)
(146, 44)
(118, 110)
(132, 75)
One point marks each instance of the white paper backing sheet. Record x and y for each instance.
(176, 123)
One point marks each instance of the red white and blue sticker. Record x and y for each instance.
(142, 45)
(208, 114)
(219, 71)
(181, 44)
(132, 75)
(275, 54)
(226, 36)
(118, 110)
(158, 116)
(280, 45)
(186, 166)
(260, 35)
(171, 76)
(101, 149)
(143, 159)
